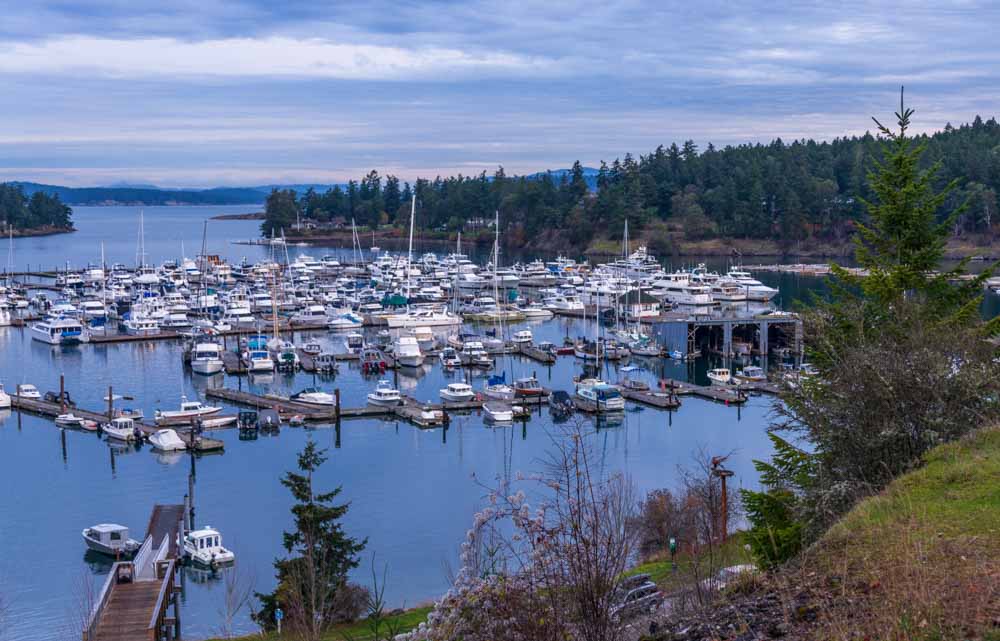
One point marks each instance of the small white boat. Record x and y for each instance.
(385, 395)
(407, 352)
(593, 395)
(4, 399)
(27, 390)
(207, 359)
(457, 393)
(204, 547)
(217, 422)
(498, 412)
(720, 376)
(188, 410)
(121, 429)
(313, 396)
(110, 538)
(69, 420)
(523, 337)
(354, 342)
(449, 358)
(166, 440)
(312, 349)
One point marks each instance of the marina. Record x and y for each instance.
(421, 444)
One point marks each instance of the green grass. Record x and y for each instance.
(956, 493)
(359, 630)
(662, 574)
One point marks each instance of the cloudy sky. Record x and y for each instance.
(240, 92)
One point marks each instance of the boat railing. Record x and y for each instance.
(121, 572)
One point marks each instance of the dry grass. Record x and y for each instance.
(920, 561)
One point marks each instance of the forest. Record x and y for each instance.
(787, 192)
(39, 211)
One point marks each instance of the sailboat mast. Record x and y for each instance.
(409, 253)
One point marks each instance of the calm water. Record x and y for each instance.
(412, 492)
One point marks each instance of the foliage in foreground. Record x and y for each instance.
(902, 361)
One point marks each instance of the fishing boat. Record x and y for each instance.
(528, 387)
(498, 412)
(204, 547)
(720, 376)
(27, 390)
(325, 362)
(166, 440)
(188, 410)
(313, 396)
(750, 374)
(111, 539)
(594, 395)
(457, 393)
(122, 429)
(449, 358)
(206, 359)
(407, 352)
(385, 395)
(60, 331)
(354, 343)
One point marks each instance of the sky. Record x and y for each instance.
(199, 93)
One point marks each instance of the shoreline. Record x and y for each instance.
(40, 231)
(248, 216)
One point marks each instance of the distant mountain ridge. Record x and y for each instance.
(124, 193)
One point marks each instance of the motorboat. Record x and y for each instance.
(204, 547)
(535, 311)
(5, 401)
(594, 395)
(474, 355)
(755, 290)
(311, 315)
(561, 404)
(27, 390)
(634, 385)
(188, 410)
(206, 359)
(522, 337)
(60, 331)
(312, 349)
(258, 360)
(345, 321)
(325, 362)
(423, 318)
(750, 374)
(69, 420)
(354, 343)
(720, 376)
(407, 352)
(449, 358)
(457, 393)
(167, 440)
(313, 396)
(528, 387)
(111, 539)
(498, 412)
(141, 326)
(122, 429)
(385, 395)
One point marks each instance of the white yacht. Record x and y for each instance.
(311, 315)
(207, 359)
(385, 395)
(755, 290)
(522, 337)
(727, 290)
(258, 360)
(750, 374)
(425, 338)
(407, 352)
(204, 547)
(423, 318)
(354, 342)
(4, 399)
(457, 393)
(141, 326)
(59, 331)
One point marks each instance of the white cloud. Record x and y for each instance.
(274, 56)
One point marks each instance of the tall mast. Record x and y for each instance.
(409, 254)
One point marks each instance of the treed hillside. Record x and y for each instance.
(781, 191)
(19, 211)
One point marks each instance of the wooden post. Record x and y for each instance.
(62, 393)
(111, 404)
(336, 408)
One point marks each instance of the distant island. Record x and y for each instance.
(799, 198)
(37, 215)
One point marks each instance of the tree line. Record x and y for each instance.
(40, 210)
(781, 191)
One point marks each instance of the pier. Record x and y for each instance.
(136, 598)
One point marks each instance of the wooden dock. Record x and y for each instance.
(718, 393)
(663, 400)
(135, 600)
(532, 352)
